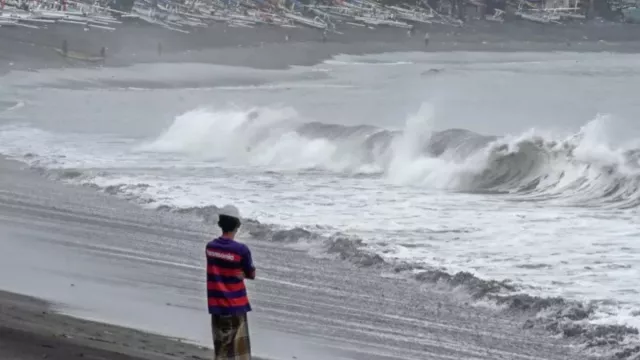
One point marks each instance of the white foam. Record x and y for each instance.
(16, 106)
(351, 63)
(261, 137)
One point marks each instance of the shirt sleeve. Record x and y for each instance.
(247, 262)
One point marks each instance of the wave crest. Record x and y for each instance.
(580, 169)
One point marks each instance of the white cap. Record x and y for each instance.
(229, 210)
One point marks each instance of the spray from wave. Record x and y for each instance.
(580, 169)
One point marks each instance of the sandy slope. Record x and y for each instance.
(30, 329)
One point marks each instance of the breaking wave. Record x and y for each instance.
(8, 105)
(582, 168)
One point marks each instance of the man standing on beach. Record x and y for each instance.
(228, 263)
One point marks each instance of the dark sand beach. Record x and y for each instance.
(31, 329)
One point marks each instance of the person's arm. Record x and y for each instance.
(247, 266)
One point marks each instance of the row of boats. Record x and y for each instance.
(559, 11)
(36, 15)
(186, 15)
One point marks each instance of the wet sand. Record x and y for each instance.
(30, 329)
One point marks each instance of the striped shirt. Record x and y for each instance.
(228, 263)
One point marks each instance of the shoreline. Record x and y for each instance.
(268, 48)
(31, 329)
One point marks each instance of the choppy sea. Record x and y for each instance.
(523, 168)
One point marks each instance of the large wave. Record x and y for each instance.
(582, 168)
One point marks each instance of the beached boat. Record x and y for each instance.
(17, 18)
(14, 17)
(322, 13)
(80, 56)
(274, 19)
(378, 20)
(535, 17)
(151, 16)
(564, 10)
(527, 11)
(413, 15)
(316, 22)
(531, 12)
(342, 13)
(631, 14)
(8, 22)
(249, 19)
(49, 14)
(183, 16)
(498, 16)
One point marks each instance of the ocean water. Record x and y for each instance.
(521, 167)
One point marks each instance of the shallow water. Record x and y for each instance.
(555, 218)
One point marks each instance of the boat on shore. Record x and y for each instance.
(73, 55)
(631, 14)
(316, 23)
(185, 16)
(32, 14)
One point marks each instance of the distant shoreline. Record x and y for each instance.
(267, 46)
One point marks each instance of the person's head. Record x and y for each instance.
(229, 220)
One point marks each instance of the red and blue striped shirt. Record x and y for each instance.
(228, 263)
